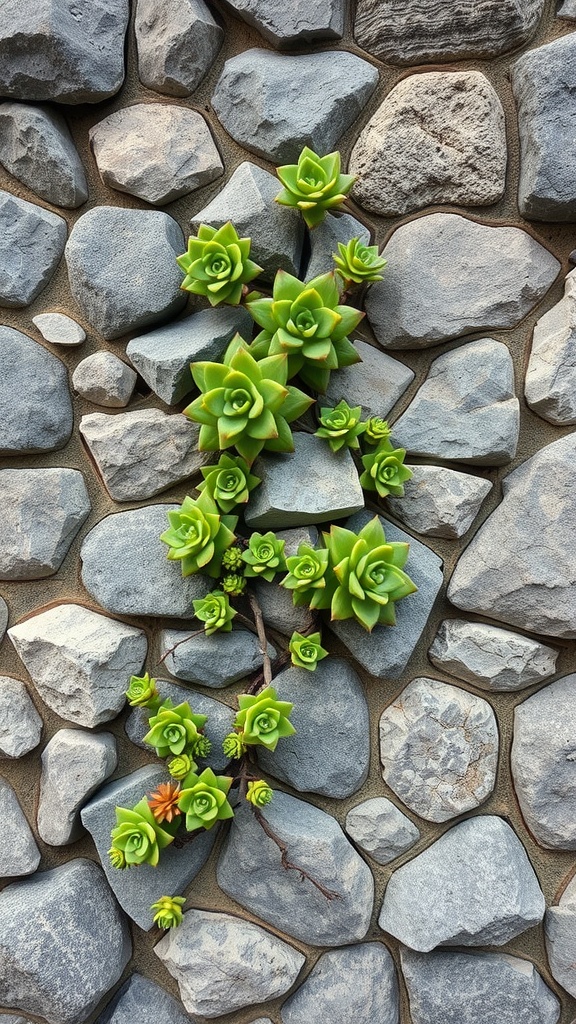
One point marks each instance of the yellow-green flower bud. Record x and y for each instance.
(117, 858)
(233, 745)
(168, 911)
(180, 766)
(259, 793)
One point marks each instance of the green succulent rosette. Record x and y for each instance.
(264, 556)
(168, 911)
(306, 651)
(203, 799)
(259, 793)
(138, 835)
(263, 719)
(232, 559)
(234, 584)
(310, 577)
(198, 535)
(173, 729)
(341, 426)
(229, 482)
(117, 859)
(385, 472)
(216, 264)
(233, 746)
(142, 692)
(215, 612)
(370, 576)
(355, 261)
(314, 185)
(377, 431)
(181, 766)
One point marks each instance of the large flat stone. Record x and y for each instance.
(489, 657)
(37, 148)
(74, 764)
(375, 384)
(353, 984)
(294, 24)
(142, 1000)
(438, 502)
(42, 418)
(32, 241)
(550, 388)
(560, 934)
(215, 661)
(177, 44)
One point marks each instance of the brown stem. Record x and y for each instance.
(183, 641)
(258, 619)
(259, 677)
(287, 864)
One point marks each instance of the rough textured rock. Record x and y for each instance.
(439, 749)
(57, 51)
(74, 764)
(141, 1000)
(278, 609)
(273, 105)
(476, 988)
(42, 418)
(250, 871)
(41, 511)
(20, 723)
(19, 854)
(502, 273)
(520, 568)
(105, 247)
(105, 379)
(294, 24)
(489, 657)
(37, 148)
(177, 44)
(380, 829)
(439, 502)
(32, 241)
(63, 943)
(144, 585)
(551, 375)
(3, 618)
(473, 887)
(454, 30)
(163, 356)
(252, 965)
(157, 152)
(330, 752)
(214, 661)
(141, 453)
(79, 661)
(567, 10)
(354, 984)
(560, 932)
(436, 138)
(59, 329)
(339, 227)
(376, 383)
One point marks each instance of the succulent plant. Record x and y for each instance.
(358, 262)
(229, 482)
(263, 719)
(201, 746)
(259, 793)
(234, 584)
(310, 577)
(173, 729)
(341, 426)
(215, 612)
(377, 430)
(117, 859)
(203, 799)
(163, 802)
(264, 556)
(142, 692)
(232, 559)
(216, 264)
(138, 835)
(181, 766)
(314, 185)
(198, 535)
(168, 911)
(306, 651)
(233, 746)
(384, 471)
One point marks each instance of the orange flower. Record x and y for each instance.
(163, 803)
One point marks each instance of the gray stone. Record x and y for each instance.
(353, 984)
(250, 871)
(454, 30)
(567, 10)
(106, 247)
(141, 1000)
(340, 227)
(439, 749)
(520, 568)
(311, 485)
(386, 650)
(125, 567)
(32, 241)
(560, 934)
(49, 52)
(105, 379)
(465, 410)
(375, 384)
(273, 105)
(502, 273)
(41, 511)
(37, 148)
(439, 502)
(330, 751)
(214, 661)
(59, 329)
(79, 661)
(177, 44)
(74, 764)
(163, 356)
(276, 232)
(476, 988)
(19, 854)
(489, 657)
(380, 829)
(251, 965)
(294, 24)
(139, 887)
(42, 418)
(157, 152)
(3, 618)
(20, 723)
(63, 943)
(436, 138)
(473, 887)
(141, 453)
(550, 388)
(278, 608)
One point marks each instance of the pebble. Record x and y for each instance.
(375, 384)
(215, 661)
(32, 241)
(142, 1000)
(20, 723)
(104, 379)
(560, 935)
(489, 657)
(177, 44)
(567, 10)
(439, 502)
(294, 24)
(42, 418)
(380, 829)
(353, 984)
(74, 764)
(37, 149)
(19, 854)
(550, 388)
(3, 618)
(59, 329)
(323, 240)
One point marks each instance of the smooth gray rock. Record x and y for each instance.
(436, 138)
(439, 502)
(473, 887)
(137, 888)
(142, 1000)
(386, 650)
(42, 418)
(466, 409)
(32, 241)
(520, 568)
(550, 388)
(105, 379)
(37, 148)
(74, 764)
(141, 453)
(20, 723)
(250, 967)
(59, 329)
(476, 988)
(313, 484)
(278, 608)
(274, 105)
(276, 232)
(294, 24)
(250, 871)
(340, 227)
(63, 943)
(330, 752)
(415, 33)
(79, 661)
(489, 657)
(177, 43)
(19, 854)
(122, 268)
(157, 152)
(502, 273)
(41, 511)
(560, 935)
(353, 984)
(3, 618)
(439, 749)
(49, 52)
(125, 567)
(162, 357)
(214, 661)
(375, 384)
(380, 829)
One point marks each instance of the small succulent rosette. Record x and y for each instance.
(264, 556)
(215, 612)
(198, 535)
(142, 692)
(259, 793)
(341, 426)
(174, 730)
(263, 719)
(385, 472)
(216, 264)
(229, 482)
(203, 799)
(168, 911)
(314, 185)
(138, 837)
(310, 577)
(306, 651)
(357, 262)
